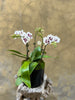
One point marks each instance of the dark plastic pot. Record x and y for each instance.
(37, 78)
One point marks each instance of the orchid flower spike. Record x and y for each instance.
(26, 37)
(50, 39)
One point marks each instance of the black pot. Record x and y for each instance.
(37, 78)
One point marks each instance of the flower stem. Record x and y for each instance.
(27, 45)
(42, 45)
(35, 40)
(43, 50)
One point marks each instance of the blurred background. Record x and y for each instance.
(56, 17)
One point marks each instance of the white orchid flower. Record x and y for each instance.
(51, 38)
(46, 40)
(21, 33)
(29, 35)
(56, 39)
(25, 39)
(16, 32)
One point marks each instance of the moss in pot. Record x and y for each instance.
(31, 72)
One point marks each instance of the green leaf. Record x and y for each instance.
(18, 55)
(45, 56)
(41, 65)
(32, 67)
(23, 61)
(38, 57)
(19, 72)
(26, 81)
(25, 76)
(17, 52)
(36, 53)
(18, 81)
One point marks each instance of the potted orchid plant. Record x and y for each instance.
(31, 72)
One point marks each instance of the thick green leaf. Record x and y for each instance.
(41, 65)
(17, 52)
(25, 67)
(25, 76)
(35, 54)
(23, 61)
(26, 81)
(19, 72)
(38, 57)
(32, 67)
(18, 81)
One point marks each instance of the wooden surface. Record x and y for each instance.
(39, 93)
